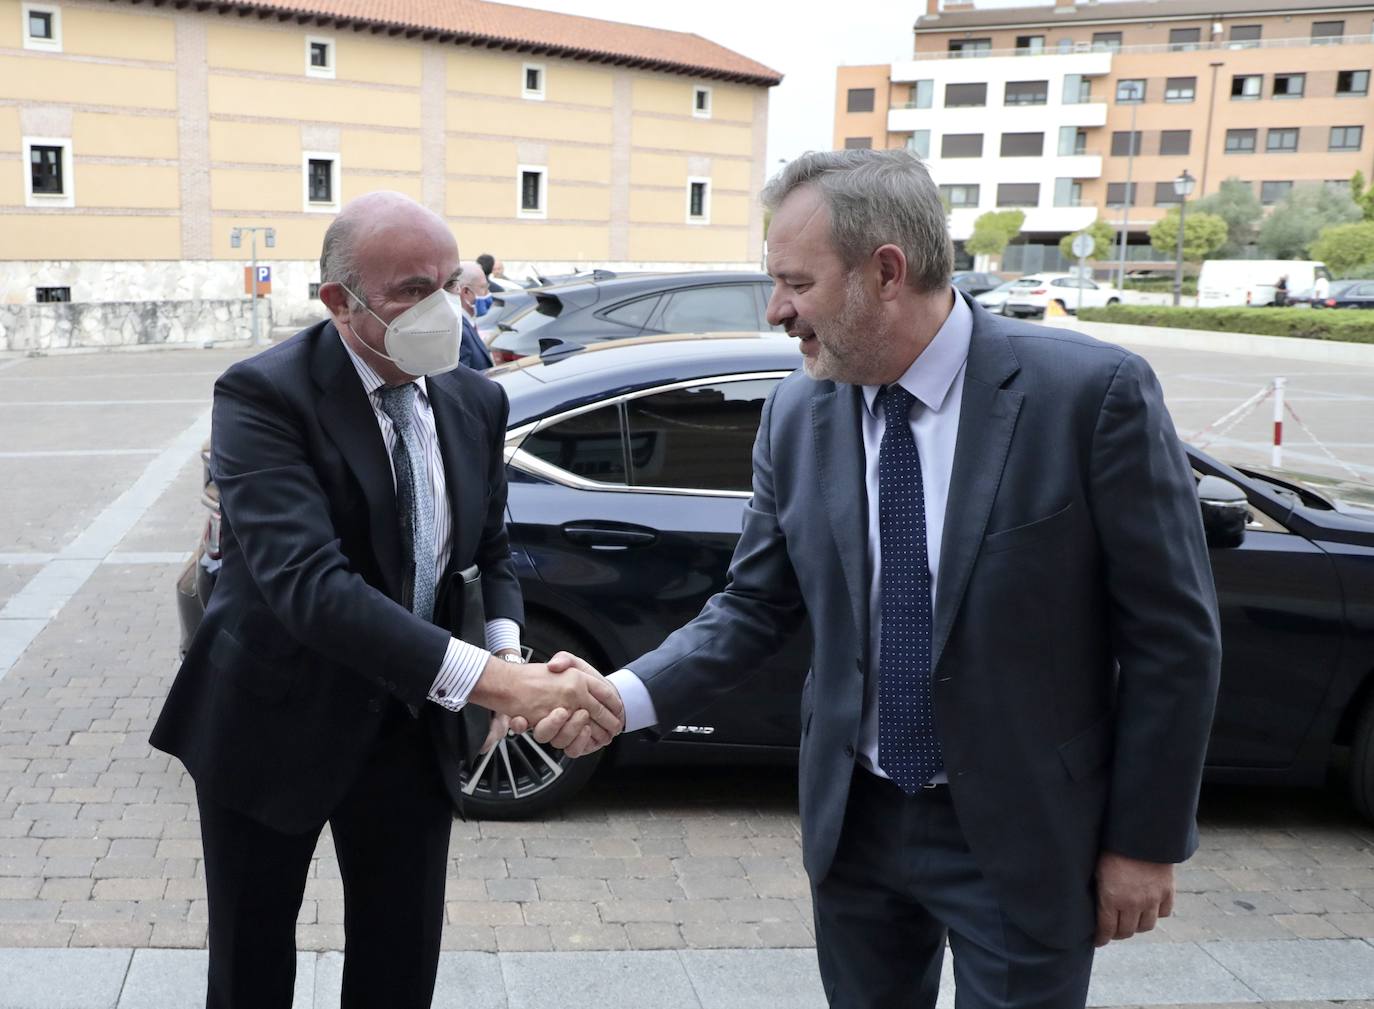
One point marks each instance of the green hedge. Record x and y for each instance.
(1159, 285)
(1352, 325)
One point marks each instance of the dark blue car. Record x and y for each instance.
(629, 465)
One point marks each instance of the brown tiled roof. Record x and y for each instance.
(503, 26)
(1129, 10)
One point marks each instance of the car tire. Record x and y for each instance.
(543, 776)
(1362, 762)
(1113, 301)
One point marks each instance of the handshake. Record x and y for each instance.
(565, 701)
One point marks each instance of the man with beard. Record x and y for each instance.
(995, 531)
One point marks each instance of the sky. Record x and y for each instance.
(805, 40)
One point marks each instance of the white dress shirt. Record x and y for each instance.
(935, 379)
(463, 662)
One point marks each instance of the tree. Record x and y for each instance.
(1362, 195)
(1203, 234)
(1348, 249)
(993, 232)
(1104, 240)
(1236, 204)
(1294, 225)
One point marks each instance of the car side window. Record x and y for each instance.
(1364, 290)
(633, 314)
(698, 438)
(703, 309)
(765, 293)
(589, 445)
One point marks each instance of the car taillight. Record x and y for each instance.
(500, 356)
(1039, 290)
(1330, 302)
(212, 525)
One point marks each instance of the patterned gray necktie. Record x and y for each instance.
(414, 498)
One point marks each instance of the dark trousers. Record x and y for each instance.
(391, 833)
(903, 880)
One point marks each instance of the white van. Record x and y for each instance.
(1225, 282)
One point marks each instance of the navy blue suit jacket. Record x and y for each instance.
(473, 352)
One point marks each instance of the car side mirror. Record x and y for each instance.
(1225, 512)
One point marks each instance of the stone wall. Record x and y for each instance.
(194, 322)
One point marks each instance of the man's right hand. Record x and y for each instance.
(531, 691)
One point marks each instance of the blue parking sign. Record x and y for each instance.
(264, 274)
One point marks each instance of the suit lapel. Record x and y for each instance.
(987, 418)
(840, 473)
(465, 461)
(347, 416)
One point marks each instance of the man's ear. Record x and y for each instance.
(337, 300)
(892, 271)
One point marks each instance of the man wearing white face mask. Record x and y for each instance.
(472, 288)
(361, 479)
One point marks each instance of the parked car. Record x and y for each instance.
(504, 306)
(1347, 294)
(589, 311)
(1254, 282)
(629, 467)
(1034, 293)
(995, 300)
(973, 283)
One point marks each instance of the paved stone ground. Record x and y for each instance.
(98, 840)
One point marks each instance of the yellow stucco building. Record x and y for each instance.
(139, 135)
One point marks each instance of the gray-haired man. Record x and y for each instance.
(994, 529)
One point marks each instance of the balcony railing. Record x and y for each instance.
(1294, 42)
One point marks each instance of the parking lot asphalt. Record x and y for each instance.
(669, 871)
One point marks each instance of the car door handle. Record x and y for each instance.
(608, 536)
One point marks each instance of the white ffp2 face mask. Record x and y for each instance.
(424, 339)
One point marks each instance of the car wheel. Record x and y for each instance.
(1113, 301)
(1362, 762)
(519, 777)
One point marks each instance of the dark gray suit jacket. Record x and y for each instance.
(1076, 641)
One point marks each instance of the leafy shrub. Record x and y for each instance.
(1352, 325)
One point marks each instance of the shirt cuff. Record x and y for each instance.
(463, 664)
(502, 633)
(639, 706)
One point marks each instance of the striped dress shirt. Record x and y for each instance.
(463, 662)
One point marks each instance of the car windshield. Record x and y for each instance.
(1027, 282)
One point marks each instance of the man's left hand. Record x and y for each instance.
(1131, 896)
(500, 726)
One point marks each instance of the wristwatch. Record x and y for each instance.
(516, 658)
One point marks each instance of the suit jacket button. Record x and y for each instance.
(848, 750)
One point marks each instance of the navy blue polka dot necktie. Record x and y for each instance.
(908, 749)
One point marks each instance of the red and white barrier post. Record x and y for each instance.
(1276, 458)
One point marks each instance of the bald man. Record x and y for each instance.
(361, 480)
(472, 284)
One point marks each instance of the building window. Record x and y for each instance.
(1023, 145)
(52, 295)
(531, 196)
(919, 143)
(860, 100)
(48, 181)
(1121, 194)
(698, 201)
(963, 96)
(1289, 85)
(42, 27)
(1327, 33)
(922, 94)
(312, 290)
(1175, 142)
(319, 57)
(1018, 194)
(1125, 143)
(701, 102)
(1064, 46)
(1352, 82)
(1130, 92)
(1240, 141)
(1282, 141)
(959, 196)
(1073, 141)
(321, 182)
(1180, 89)
(532, 81)
(1346, 138)
(1165, 195)
(857, 143)
(1030, 45)
(1027, 93)
(1108, 42)
(1077, 89)
(1184, 39)
(961, 145)
(970, 47)
(1068, 193)
(1274, 192)
(1246, 36)
(1246, 87)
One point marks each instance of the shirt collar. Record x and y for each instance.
(932, 374)
(370, 379)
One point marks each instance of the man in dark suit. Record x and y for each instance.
(995, 531)
(472, 284)
(359, 473)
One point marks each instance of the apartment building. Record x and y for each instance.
(1075, 112)
(141, 135)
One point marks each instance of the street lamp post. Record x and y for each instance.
(1133, 91)
(1183, 188)
(236, 241)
